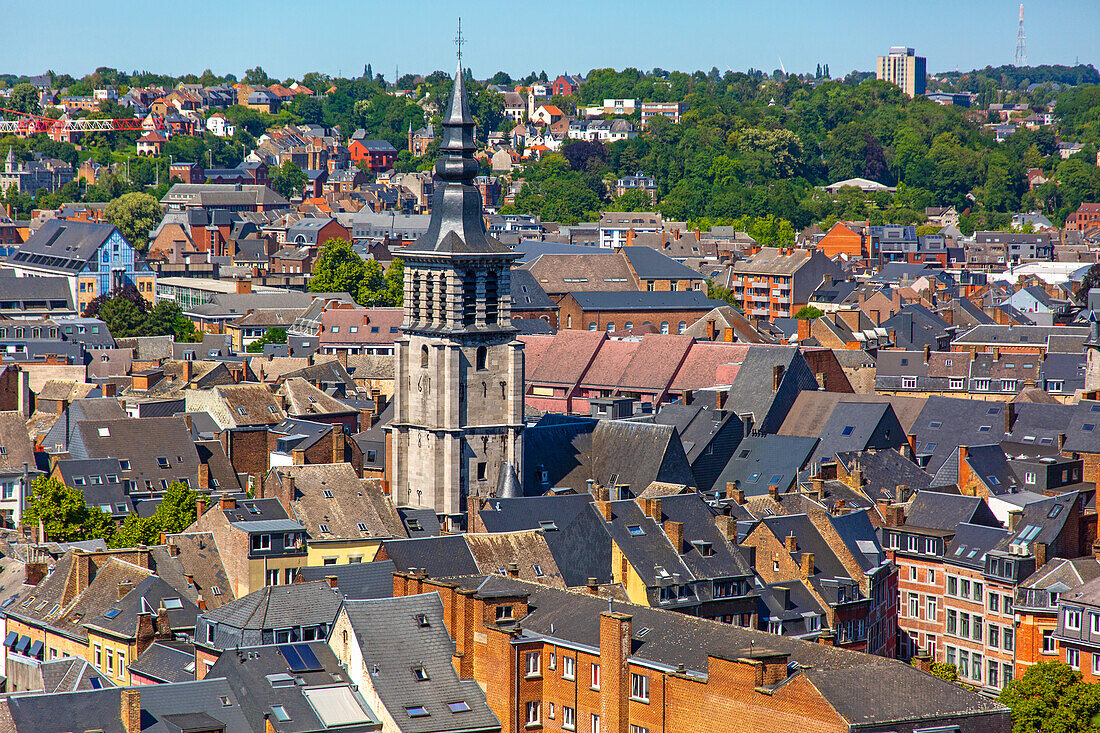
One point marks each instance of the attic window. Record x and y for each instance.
(1054, 511)
(324, 529)
(993, 411)
(984, 429)
(162, 461)
(124, 465)
(416, 711)
(420, 674)
(635, 530)
(413, 525)
(538, 571)
(172, 604)
(327, 494)
(215, 590)
(935, 425)
(79, 481)
(848, 430)
(423, 622)
(547, 525)
(744, 453)
(1088, 427)
(105, 432)
(504, 613)
(280, 713)
(271, 409)
(459, 707)
(705, 549)
(642, 632)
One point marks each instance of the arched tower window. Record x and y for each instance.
(423, 357)
(482, 352)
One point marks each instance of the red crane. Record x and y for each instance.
(34, 124)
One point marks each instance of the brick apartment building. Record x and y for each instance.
(1086, 217)
(776, 282)
(554, 660)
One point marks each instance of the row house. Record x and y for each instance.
(552, 659)
(1037, 606)
(1086, 217)
(960, 577)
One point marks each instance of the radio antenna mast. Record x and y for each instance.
(1021, 41)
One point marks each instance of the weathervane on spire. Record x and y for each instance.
(459, 40)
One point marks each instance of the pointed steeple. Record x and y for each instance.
(457, 226)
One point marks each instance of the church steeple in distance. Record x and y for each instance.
(458, 400)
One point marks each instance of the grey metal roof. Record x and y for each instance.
(269, 525)
(356, 580)
(63, 245)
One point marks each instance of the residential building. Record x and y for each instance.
(617, 227)
(374, 155)
(776, 282)
(669, 110)
(750, 680)
(903, 68)
(95, 259)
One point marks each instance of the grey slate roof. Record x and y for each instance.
(934, 510)
(357, 580)
(439, 556)
(393, 643)
(166, 661)
(764, 460)
(63, 245)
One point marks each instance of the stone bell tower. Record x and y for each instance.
(458, 406)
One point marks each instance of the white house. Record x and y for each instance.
(219, 126)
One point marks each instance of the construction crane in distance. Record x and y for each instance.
(29, 124)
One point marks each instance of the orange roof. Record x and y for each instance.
(552, 109)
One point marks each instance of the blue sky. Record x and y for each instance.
(338, 36)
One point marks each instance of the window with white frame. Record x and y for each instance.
(595, 681)
(533, 663)
(568, 717)
(1072, 618)
(1073, 658)
(595, 723)
(534, 712)
(639, 687)
(569, 668)
(1049, 646)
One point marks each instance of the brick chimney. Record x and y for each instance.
(1010, 416)
(773, 492)
(923, 662)
(791, 543)
(1039, 550)
(807, 565)
(964, 469)
(734, 492)
(227, 502)
(331, 580)
(204, 477)
(337, 443)
(200, 505)
(124, 587)
(593, 587)
(130, 709)
(727, 525)
(777, 377)
(604, 507)
(711, 331)
(675, 532)
(615, 636)
(35, 572)
(513, 569)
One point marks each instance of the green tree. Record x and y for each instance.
(64, 513)
(124, 316)
(721, 292)
(338, 269)
(256, 75)
(810, 312)
(372, 288)
(632, 200)
(136, 530)
(395, 283)
(24, 98)
(167, 319)
(135, 215)
(175, 513)
(1051, 698)
(289, 180)
(271, 336)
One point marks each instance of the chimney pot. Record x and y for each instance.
(593, 586)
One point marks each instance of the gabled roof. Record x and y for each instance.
(63, 245)
(298, 604)
(394, 641)
(935, 510)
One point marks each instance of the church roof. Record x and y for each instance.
(456, 227)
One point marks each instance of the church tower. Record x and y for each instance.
(458, 406)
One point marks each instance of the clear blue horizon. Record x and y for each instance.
(290, 39)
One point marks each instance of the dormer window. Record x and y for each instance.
(504, 613)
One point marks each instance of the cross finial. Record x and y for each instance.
(459, 40)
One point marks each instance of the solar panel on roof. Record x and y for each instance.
(309, 659)
(290, 654)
